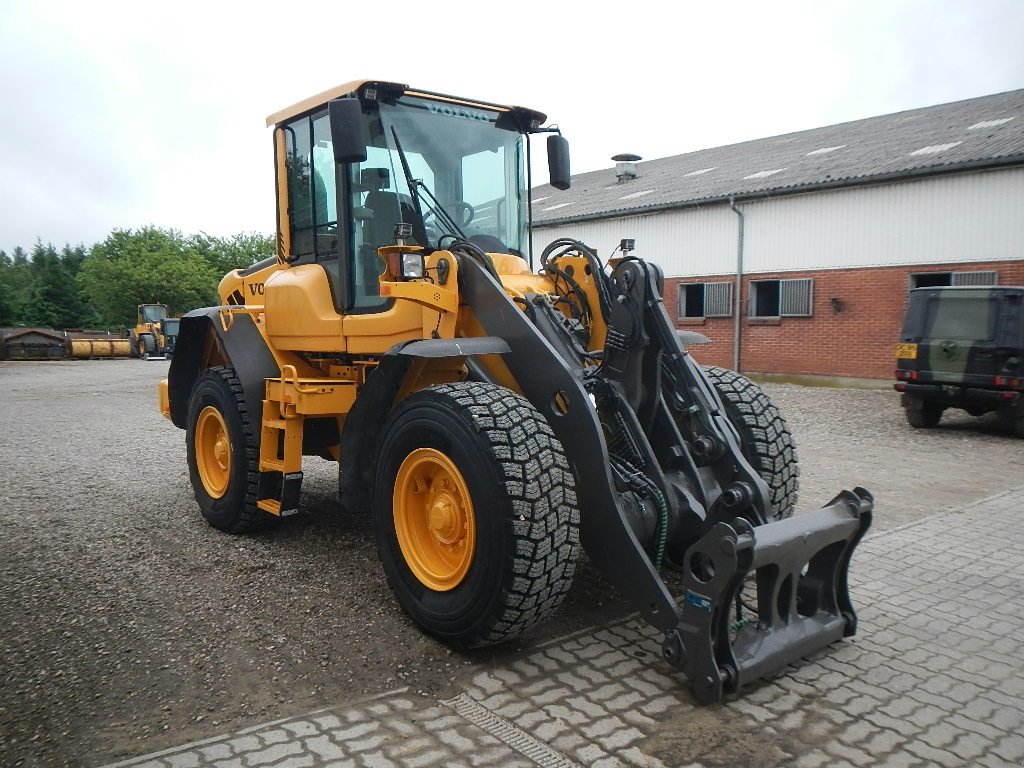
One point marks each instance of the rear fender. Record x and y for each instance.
(241, 345)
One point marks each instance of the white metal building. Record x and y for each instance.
(929, 196)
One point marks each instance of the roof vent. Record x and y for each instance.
(625, 166)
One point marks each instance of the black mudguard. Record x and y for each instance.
(241, 344)
(376, 399)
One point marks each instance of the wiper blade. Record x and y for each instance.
(416, 187)
(441, 213)
(409, 180)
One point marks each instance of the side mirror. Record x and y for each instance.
(348, 133)
(558, 161)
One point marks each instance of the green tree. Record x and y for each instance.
(7, 310)
(54, 297)
(150, 265)
(235, 252)
(17, 283)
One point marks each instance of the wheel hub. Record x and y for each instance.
(434, 520)
(213, 452)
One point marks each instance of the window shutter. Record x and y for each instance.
(795, 297)
(717, 299)
(975, 278)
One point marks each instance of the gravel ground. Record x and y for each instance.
(131, 626)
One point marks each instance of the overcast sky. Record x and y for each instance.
(119, 115)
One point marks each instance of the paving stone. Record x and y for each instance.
(932, 755)
(969, 746)
(566, 714)
(275, 736)
(245, 744)
(633, 756)
(366, 744)
(1010, 748)
(354, 731)
(882, 742)
(301, 728)
(327, 722)
(588, 707)
(815, 759)
(850, 754)
(620, 738)
(429, 757)
(602, 727)
(325, 748)
(299, 761)
(590, 754)
(187, 760)
(857, 732)
(214, 752)
(273, 754)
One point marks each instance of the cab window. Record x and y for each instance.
(311, 187)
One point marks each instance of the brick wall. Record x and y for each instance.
(855, 339)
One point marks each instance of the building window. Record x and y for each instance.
(705, 300)
(781, 298)
(938, 279)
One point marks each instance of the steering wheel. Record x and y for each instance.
(460, 210)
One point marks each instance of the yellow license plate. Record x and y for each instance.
(906, 351)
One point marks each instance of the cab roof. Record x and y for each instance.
(529, 117)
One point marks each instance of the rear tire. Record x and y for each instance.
(922, 414)
(475, 511)
(1013, 419)
(223, 456)
(766, 440)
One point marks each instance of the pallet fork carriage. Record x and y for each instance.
(493, 414)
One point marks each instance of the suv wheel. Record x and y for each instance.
(922, 414)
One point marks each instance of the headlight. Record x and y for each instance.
(412, 266)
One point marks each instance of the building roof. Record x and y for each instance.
(985, 132)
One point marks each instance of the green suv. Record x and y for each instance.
(963, 348)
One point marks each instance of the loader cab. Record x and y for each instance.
(151, 313)
(448, 168)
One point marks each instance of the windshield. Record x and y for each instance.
(459, 165)
(153, 313)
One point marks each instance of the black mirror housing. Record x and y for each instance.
(348, 134)
(558, 161)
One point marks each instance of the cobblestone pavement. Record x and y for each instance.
(935, 677)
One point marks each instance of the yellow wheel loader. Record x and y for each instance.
(495, 412)
(154, 334)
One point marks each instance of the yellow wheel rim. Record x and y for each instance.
(434, 519)
(213, 451)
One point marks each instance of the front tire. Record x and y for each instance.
(223, 457)
(766, 440)
(146, 346)
(475, 511)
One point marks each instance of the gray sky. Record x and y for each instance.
(119, 115)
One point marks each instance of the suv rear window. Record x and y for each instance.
(960, 317)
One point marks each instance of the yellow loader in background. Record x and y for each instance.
(496, 411)
(154, 334)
